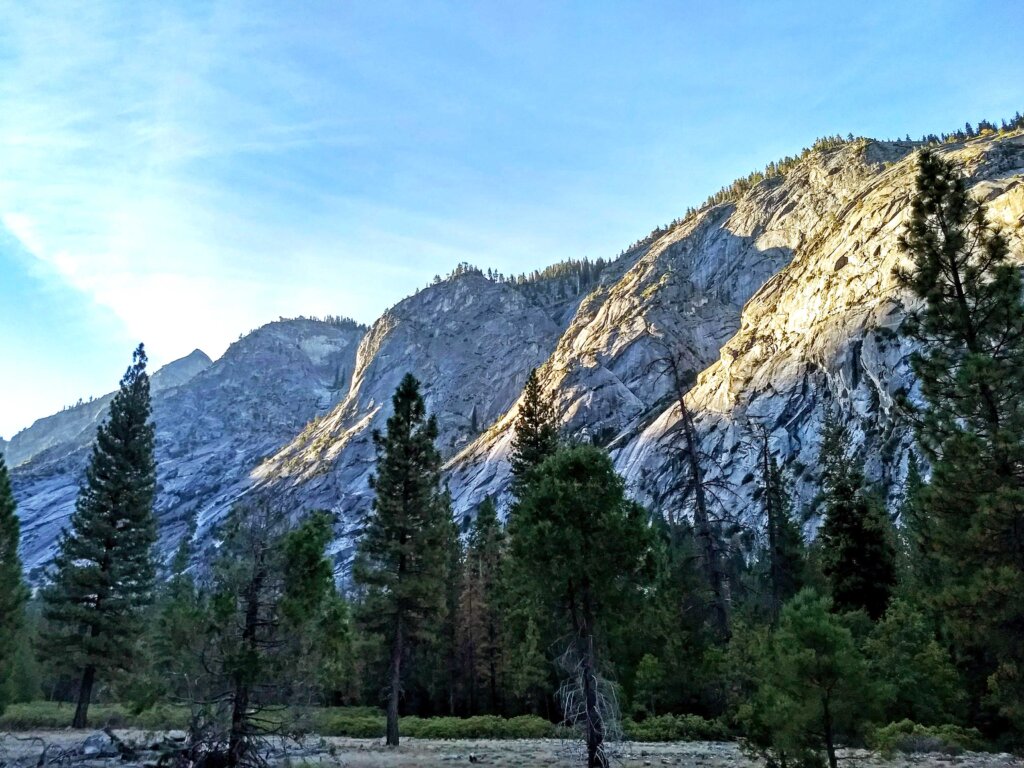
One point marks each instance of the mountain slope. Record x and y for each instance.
(211, 430)
(776, 305)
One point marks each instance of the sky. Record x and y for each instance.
(181, 173)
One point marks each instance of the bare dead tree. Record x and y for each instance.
(589, 702)
(671, 363)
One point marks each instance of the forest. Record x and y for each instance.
(576, 610)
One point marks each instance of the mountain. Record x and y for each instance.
(212, 428)
(75, 427)
(775, 300)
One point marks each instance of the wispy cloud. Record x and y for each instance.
(199, 168)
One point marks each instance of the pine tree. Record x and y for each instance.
(528, 670)
(970, 326)
(102, 576)
(916, 673)
(270, 583)
(172, 642)
(401, 558)
(13, 593)
(857, 549)
(536, 435)
(649, 683)
(814, 684)
(480, 608)
(785, 552)
(584, 548)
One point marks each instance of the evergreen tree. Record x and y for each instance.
(270, 583)
(971, 370)
(102, 576)
(782, 572)
(480, 608)
(13, 593)
(584, 548)
(401, 559)
(813, 684)
(649, 683)
(916, 673)
(536, 435)
(528, 669)
(858, 553)
(172, 643)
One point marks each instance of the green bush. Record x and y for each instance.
(676, 728)
(908, 736)
(480, 727)
(354, 722)
(45, 715)
(369, 723)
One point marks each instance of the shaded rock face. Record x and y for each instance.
(212, 428)
(76, 426)
(775, 307)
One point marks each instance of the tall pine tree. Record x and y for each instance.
(536, 434)
(584, 549)
(783, 564)
(858, 552)
(401, 563)
(13, 593)
(102, 574)
(970, 325)
(480, 627)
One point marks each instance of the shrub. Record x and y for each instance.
(45, 715)
(908, 736)
(369, 723)
(354, 722)
(676, 728)
(480, 727)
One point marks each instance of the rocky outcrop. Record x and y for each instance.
(76, 426)
(212, 428)
(778, 308)
(469, 340)
(818, 338)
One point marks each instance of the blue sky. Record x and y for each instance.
(179, 173)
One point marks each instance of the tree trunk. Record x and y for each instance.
(773, 532)
(710, 558)
(595, 725)
(830, 746)
(84, 697)
(396, 685)
(238, 738)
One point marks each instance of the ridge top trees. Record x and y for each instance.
(103, 571)
(401, 558)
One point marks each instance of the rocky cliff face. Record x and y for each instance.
(782, 301)
(212, 428)
(76, 426)
(469, 340)
(774, 306)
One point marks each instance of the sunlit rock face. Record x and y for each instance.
(469, 340)
(778, 307)
(782, 303)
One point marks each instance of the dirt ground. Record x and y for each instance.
(22, 750)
